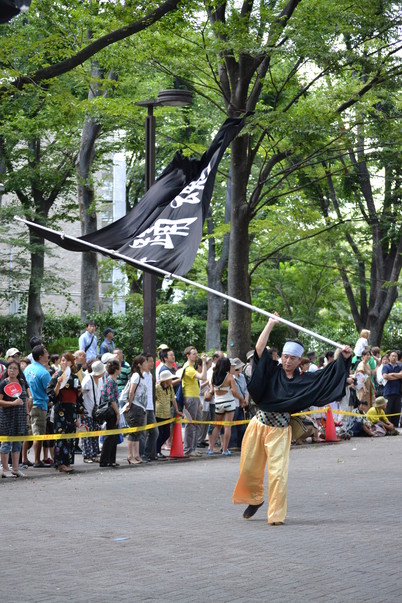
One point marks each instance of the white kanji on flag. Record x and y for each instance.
(161, 233)
(193, 191)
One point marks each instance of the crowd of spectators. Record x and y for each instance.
(93, 389)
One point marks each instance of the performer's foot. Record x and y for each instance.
(277, 523)
(251, 510)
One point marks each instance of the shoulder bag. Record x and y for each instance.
(179, 393)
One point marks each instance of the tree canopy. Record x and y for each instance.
(315, 178)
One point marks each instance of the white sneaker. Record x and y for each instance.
(8, 474)
(17, 473)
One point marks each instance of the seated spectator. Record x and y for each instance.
(376, 415)
(359, 425)
(302, 429)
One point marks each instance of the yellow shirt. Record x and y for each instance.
(163, 401)
(376, 414)
(191, 388)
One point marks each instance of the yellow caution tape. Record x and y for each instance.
(126, 430)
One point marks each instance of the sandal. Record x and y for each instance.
(65, 469)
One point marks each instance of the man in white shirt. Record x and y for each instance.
(312, 366)
(149, 437)
(88, 342)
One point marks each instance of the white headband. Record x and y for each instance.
(293, 349)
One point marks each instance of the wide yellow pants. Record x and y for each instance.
(261, 444)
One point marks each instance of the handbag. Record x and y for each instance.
(96, 407)
(179, 393)
(208, 395)
(378, 430)
(123, 398)
(104, 413)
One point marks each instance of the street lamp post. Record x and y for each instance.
(172, 98)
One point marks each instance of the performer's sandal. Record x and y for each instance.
(251, 510)
(277, 523)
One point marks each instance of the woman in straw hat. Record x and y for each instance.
(91, 393)
(165, 404)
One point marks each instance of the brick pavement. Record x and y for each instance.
(167, 532)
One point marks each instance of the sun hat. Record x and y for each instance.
(12, 352)
(380, 401)
(165, 375)
(98, 368)
(238, 364)
(249, 354)
(162, 346)
(108, 356)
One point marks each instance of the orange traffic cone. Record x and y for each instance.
(176, 449)
(330, 431)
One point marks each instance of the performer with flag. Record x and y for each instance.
(278, 390)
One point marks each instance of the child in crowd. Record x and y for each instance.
(361, 344)
(359, 425)
(377, 416)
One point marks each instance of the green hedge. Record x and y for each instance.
(174, 327)
(60, 333)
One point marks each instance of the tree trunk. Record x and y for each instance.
(89, 265)
(90, 301)
(239, 332)
(35, 315)
(215, 271)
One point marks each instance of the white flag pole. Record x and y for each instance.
(145, 266)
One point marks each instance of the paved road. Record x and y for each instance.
(167, 532)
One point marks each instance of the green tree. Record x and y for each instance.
(297, 66)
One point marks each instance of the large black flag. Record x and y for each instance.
(164, 230)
